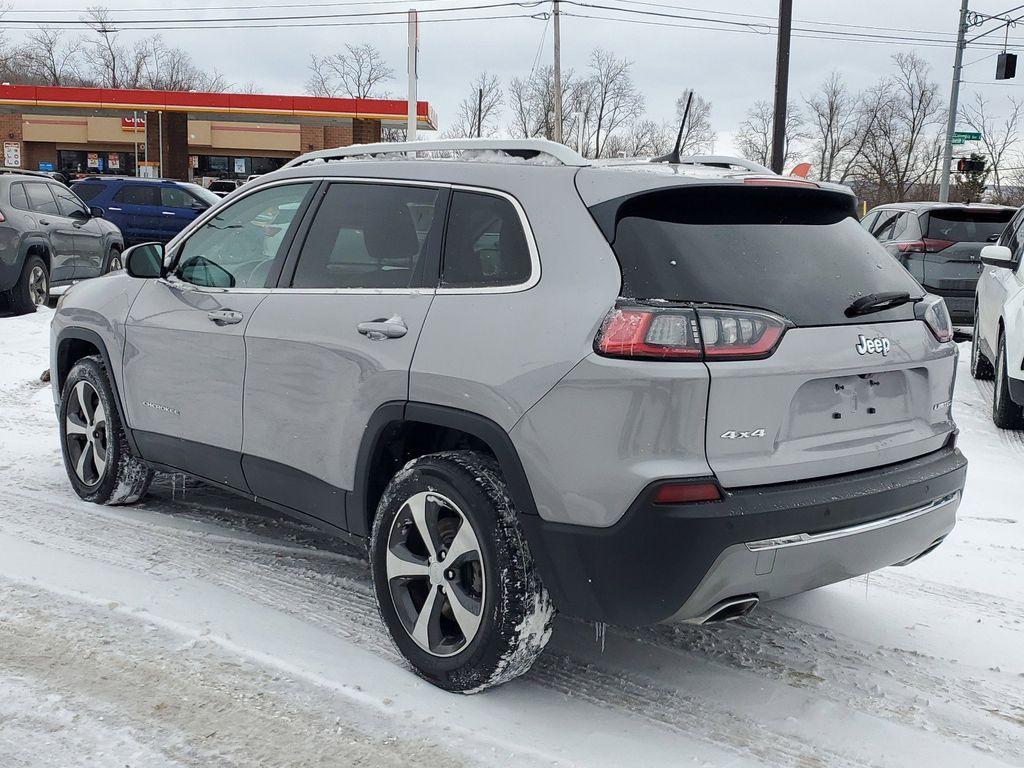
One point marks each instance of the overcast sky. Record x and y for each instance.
(731, 68)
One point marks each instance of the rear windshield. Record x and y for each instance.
(959, 225)
(796, 251)
(87, 191)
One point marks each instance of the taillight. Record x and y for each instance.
(936, 316)
(645, 333)
(687, 493)
(926, 245)
(684, 333)
(2, 219)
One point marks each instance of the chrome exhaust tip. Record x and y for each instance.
(729, 609)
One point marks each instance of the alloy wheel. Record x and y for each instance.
(38, 286)
(115, 263)
(435, 573)
(85, 427)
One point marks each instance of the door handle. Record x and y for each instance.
(390, 328)
(112, 208)
(168, 213)
(224, 316)
(44, 222)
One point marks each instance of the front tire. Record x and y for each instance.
(455, 581)
(97, 458)
(1006, 414)
(32, 289)
(114, 261)
(981, 366)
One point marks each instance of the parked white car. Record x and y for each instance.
(997, 349)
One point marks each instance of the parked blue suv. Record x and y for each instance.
(146, 210)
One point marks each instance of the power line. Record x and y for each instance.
(131, 23)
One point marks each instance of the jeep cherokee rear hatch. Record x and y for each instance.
(821, 357)
(952, 244)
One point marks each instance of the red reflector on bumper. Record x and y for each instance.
(684, 493)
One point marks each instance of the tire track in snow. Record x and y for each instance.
(331, 590)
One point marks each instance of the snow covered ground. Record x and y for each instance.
(199, 629)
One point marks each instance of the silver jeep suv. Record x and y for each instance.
(526, 382)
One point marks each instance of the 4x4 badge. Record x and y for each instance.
(865, 346)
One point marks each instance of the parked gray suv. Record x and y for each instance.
(49, 237)
(525, 382)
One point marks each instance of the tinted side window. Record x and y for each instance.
(88, 191)
(900, 229)
(138, 194)
(236, 247)
(39, 197)
(884, 227)
(1012, 237)
(869, 220)
(173, 197)
(484, 245)
(18, 197)
(366, 236)
(68, 202)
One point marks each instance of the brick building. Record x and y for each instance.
(98, 130)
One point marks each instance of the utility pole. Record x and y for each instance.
(782, 85)
(479, 112)
(558, 76)
(414, 44)
(954, 97)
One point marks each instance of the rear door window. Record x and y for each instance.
(367, 236)
(484, 245)
(40, 199)
(87, 191)
(962, 225)
(798, 252)
(138, 194)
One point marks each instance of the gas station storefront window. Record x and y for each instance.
(70, 162)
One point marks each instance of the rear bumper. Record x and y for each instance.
(662, 562)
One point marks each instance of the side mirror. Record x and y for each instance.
(145, 260)
(997, 256)
(96, 212)
(198, 206)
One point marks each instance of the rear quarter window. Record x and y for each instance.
(798, 252)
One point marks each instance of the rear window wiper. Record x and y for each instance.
(877, 302)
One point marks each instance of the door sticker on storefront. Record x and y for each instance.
(114, 161)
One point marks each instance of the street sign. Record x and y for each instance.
(957, 140)
(965, 136)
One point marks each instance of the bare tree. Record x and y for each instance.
(836, 129)
(641, 138)
(754, 137)
(358, 72)
(613, 99)
(50, 59)
(997, 137)
(900, 152)
(698, 135)
(532, 102)
(481, 107)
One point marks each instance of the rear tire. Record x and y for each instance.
(97, 457)
(981, 366)
(473, 616)
(32, 289)
(1006, 414)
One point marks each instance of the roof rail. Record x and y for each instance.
(525, 148)
(724, 161)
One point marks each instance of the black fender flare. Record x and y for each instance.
(84, 334)
(480, 427)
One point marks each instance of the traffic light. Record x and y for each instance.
(970, 165)
(1006, 66)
